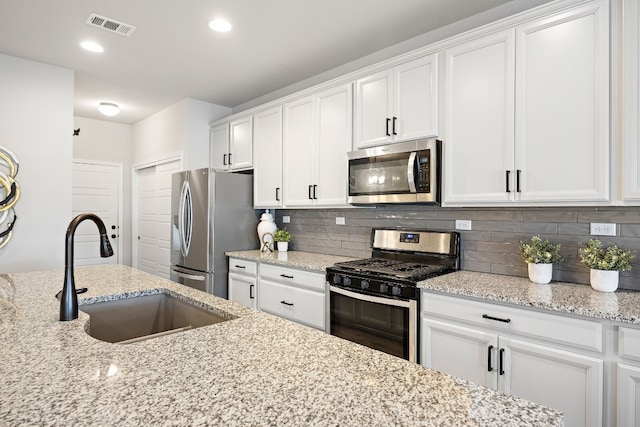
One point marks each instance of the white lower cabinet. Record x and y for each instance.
(243, 282)
(558, 376)
(297, 295)
(628, 376)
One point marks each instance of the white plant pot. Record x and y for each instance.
(283, 246)
(540, 273)
(604, 280)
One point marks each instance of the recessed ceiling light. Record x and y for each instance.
(109, 108)
(92, 47)
(220, 25)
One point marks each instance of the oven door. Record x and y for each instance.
(384, 324)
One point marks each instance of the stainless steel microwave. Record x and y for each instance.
(408, 172)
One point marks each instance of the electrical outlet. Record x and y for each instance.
(603, 229)
(339, 220)
(286, 219)
(463, 224)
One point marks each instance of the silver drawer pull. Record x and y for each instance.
(486, 316)
(286, 277)
(286, 303)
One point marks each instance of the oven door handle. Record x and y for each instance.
(371, 298)
(411, 179)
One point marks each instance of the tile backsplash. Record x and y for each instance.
(490, 246)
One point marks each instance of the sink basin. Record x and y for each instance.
(139, 318)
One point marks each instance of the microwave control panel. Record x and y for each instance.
(424, 170)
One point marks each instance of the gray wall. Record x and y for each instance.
(492, 244)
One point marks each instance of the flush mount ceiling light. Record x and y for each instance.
(92, 47)
(109, 108)
(220, 25)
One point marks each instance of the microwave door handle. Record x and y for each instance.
(411, 179)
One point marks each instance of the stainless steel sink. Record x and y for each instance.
(139, 318)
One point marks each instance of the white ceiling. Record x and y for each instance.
(173, 54)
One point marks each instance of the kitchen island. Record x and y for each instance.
(255, 369)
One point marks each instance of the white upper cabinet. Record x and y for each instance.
(398, 104)
(547, 142)
(317, 136)
(220, 147)
(267, 147)
(562, 107)
(479, 119)
(631, 85)
(232, 145)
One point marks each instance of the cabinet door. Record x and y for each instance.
(334, 139)
(628, 380)
(562, 105)
(467, 353)
(241, 143)
(415, 112)
(479, 117)
(220, 147)
(569, 382)
(374, 105)
(299, 153)
(631, 58)
(242, 289)
(267, 170)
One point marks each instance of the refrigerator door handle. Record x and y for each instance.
(185, 275)
(185, 218)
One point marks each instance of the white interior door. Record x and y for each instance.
(96, 189)
(154, 217)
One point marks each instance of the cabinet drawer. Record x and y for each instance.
(293, 276)
(566, 330)
(629, 343)
(294, 303)
(243, 266)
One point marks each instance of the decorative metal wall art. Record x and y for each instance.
(9, 194)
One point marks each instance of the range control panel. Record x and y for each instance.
(410, 238)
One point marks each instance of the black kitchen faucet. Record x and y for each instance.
(69, 298)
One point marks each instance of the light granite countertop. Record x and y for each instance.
(256, 369)
(296, 259)
(570, 298)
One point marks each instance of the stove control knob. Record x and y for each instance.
(336, 279)
(364, 284)
(346, 281)
(384, 288)
(396, 290)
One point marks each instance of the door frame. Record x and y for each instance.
(135, 186)
(120, 186)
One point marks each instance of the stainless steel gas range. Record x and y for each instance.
(376, 301)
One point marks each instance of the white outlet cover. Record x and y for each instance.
(286, 219)
(340, 220)
(462, 224)
(603, 229)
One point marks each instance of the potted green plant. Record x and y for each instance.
(605, 264)
(282, 238)
(540, 255)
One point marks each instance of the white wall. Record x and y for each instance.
(182, 127)
(109, 142)
(36, 123)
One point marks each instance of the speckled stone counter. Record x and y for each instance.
(571, 298)
(295, 259)
(256, 369)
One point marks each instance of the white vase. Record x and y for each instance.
(267, 227)
(540, 273)
(283, 246)
(604, 280)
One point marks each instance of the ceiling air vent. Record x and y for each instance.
(110, 25)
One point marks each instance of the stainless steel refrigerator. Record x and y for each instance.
(211, 213)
